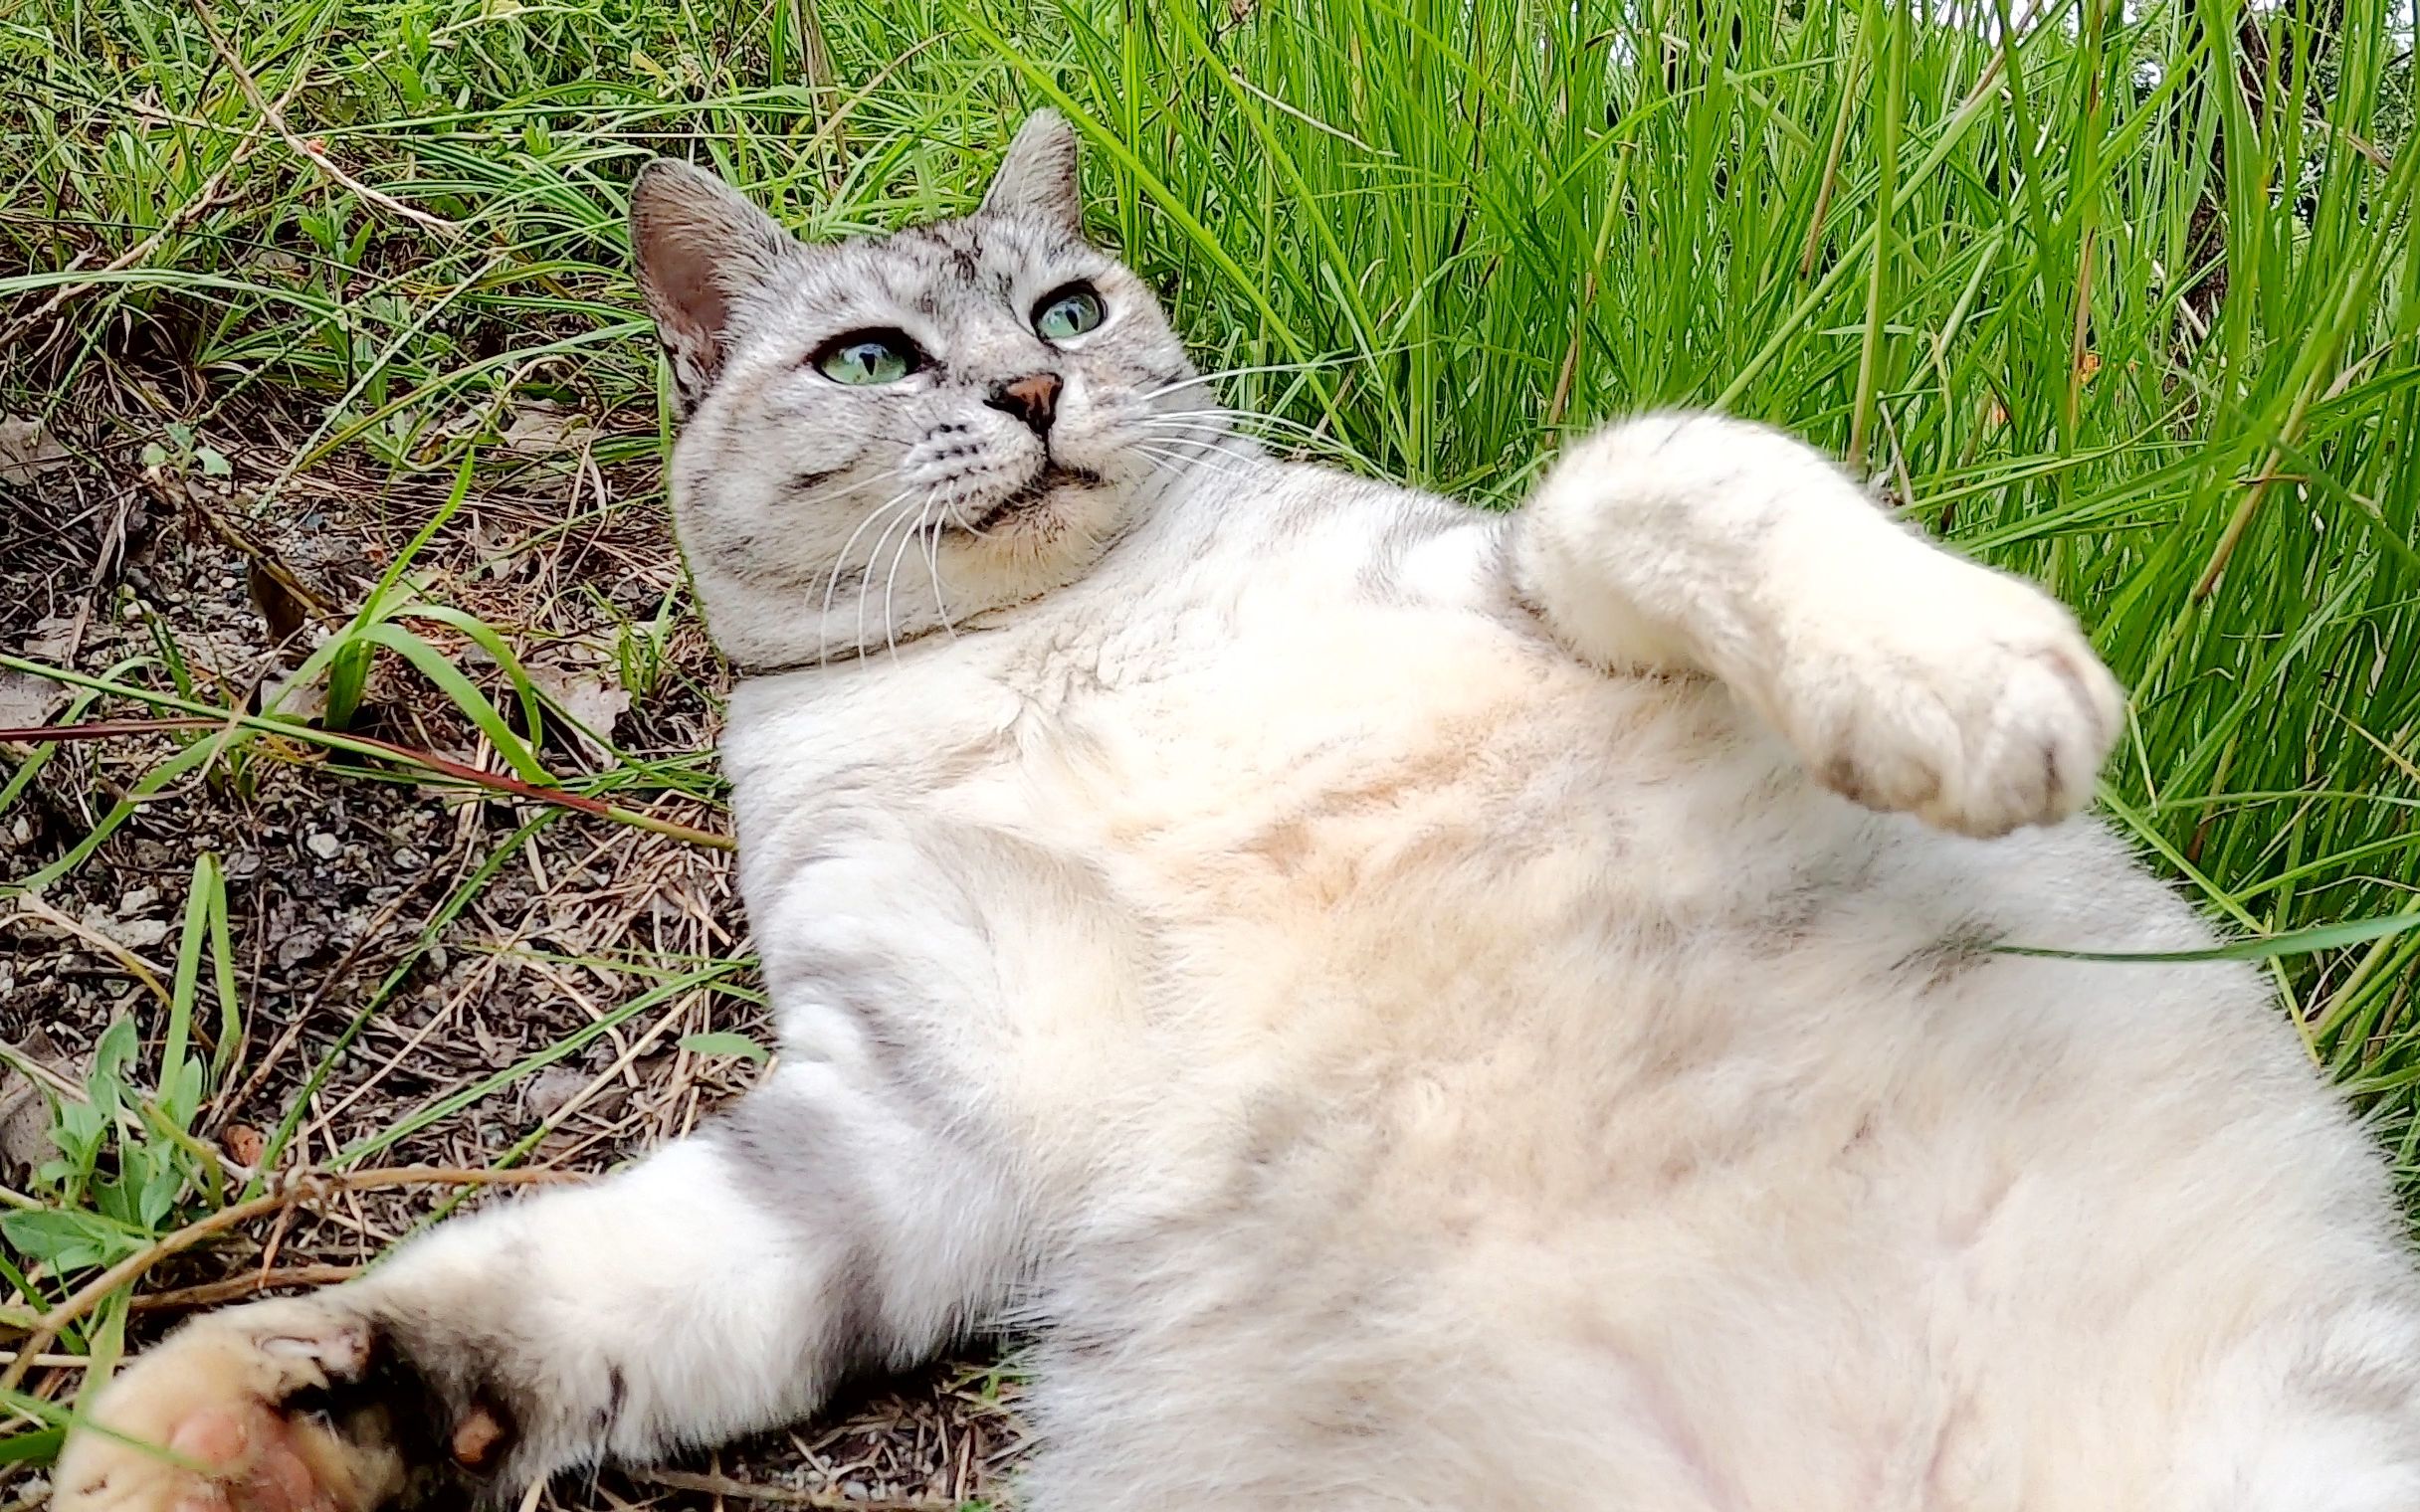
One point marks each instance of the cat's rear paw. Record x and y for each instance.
(1966, 698)
(232, 1413)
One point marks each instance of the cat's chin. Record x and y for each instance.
(1035, 503)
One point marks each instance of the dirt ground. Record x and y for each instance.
(343, 877)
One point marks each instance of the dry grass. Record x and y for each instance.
(468, 980)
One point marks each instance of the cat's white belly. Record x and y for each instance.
(1512, 1040)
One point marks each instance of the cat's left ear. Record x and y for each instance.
(1039, 175)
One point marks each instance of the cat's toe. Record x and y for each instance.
(228, 1414)
(1986, 713)
(2032, 740)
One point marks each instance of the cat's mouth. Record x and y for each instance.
(1030, 496)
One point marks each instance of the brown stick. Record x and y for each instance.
(30, 906)
(43, 734)
(101, 729)
(184, 215)
(257, 556)
(310, 152)
(211, 1293)
(723, 1485)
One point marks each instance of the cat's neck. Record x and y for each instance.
(767, 629)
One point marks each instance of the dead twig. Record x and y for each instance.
(785, 1496)
(197, 205)
(310, 152)
(212, 1293)
(257, 557)
(43, 734)
(31, 907)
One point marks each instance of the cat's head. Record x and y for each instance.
(886, 434)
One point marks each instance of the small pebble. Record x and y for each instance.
(324, 845)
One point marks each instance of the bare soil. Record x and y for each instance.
(343, 876)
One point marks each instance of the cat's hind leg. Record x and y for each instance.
(720, 1285)
(1906, 677)
(2317, 1413)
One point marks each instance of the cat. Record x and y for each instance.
(1406, 1007)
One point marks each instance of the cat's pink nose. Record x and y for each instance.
(1033, 399)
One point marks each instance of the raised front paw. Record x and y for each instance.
(252, 1410)
(1966, 698)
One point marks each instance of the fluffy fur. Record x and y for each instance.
(1411, 1008)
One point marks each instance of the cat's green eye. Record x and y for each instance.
(1069, 310)
(869, 357)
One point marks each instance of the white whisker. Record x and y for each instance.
(932, 566)
(839, 565)
(887, 475)
(1236, 423)
(1168, 455)
(872, 557)
(1183, 445)
(891, 624)
(1221, 412)
(951, 516)
(1218, 441)
(1189, 427)
(1244, 372)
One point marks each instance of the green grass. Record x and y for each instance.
(2123, 297)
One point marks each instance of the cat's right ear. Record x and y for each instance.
(701, 247)
(1039, 175)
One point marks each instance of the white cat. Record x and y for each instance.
(1409, 1008)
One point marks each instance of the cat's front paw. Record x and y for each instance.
(1966, 698)
(251, 1410)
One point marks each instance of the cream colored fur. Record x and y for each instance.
(1395, 1002)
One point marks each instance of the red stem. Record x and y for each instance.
(109, 729)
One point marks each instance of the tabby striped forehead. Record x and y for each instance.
(944, 271)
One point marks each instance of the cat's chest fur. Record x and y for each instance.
(1310, 808)
(1307, 719)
